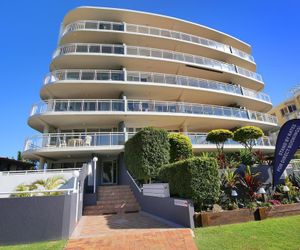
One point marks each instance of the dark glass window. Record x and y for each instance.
(118, 27)
(91, 25)
(105, 26)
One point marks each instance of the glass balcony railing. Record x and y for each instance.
(150, 77)
(111, 139)
(79, 48)
(148, 30)
(120, 105)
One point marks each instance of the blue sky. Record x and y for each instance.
(29, 33)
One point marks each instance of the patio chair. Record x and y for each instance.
(88, 140)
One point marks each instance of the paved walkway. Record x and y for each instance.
(128, 231)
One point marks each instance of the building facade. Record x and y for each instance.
(289, 109)
(116, 71)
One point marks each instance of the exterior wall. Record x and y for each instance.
(34, 219)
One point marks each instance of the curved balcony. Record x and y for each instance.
(150, 78)
(145, 53)
(59, 143)
(143, 113)
(90, 25)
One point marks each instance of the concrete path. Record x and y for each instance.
(128, 231)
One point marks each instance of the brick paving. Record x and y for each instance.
(128, 231)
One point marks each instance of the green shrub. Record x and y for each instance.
(180, 147)
(247, 135)
(195, 178)
(219, 137)
(146, 152)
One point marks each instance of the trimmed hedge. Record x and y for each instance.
(195, 178)
(146, 152)
(180, 147)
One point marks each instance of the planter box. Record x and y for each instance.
(156, 190)
(205, 219)
(279, 211)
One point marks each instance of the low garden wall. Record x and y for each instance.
(40, 218)
(176, 211)
(205, 219)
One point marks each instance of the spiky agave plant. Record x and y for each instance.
(231, 178)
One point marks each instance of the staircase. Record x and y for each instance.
(113, 200)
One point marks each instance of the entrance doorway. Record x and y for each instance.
(109, 172)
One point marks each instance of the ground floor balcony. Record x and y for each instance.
(140, 113)
(64, 145)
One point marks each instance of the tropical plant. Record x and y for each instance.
(231, 178)
(246, 157)
(50, 183)
(250, 182)
(259, 157)
(219, 137)
(180, 147)
(247, 136)
(295, 179)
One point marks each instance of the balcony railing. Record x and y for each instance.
(146, 106)
(150, 77)
(92, 48)
(148, 30)
(100, 139)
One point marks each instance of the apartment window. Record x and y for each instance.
(82, 48)
(72, 76)
(106, 49)
(103, 76)
(119, 50)
(94, 49)
(292, 108)
(91, 25)
(118, 27)
(87, 76)
(282, 112)
(105, 26)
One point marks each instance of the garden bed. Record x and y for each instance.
(279, 211)
(205, 219)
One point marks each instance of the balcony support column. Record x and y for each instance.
(42, 162)
(125, 74)
(183, 129)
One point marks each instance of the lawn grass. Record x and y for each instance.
(280, 233)
(47, 245)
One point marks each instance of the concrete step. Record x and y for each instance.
(112, 206)
(101, 211)
(103, 202)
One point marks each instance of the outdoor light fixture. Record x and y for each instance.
(234, 195)
(285, 189)
(262, 191)
(95, 159)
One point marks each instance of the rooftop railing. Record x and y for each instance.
(102, 139)
(150, 77)
(92, 48)
(146, 106)
(148, 30)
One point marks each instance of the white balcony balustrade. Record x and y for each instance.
(153, 31)
(73, 141)
(79, 48)
(146, 106)
(151, 78)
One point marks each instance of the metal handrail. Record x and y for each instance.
(38, 171)
(150, 78)
(154, 31)
(121, 105)
(69, 190)
(94, 48)
(100, 139)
